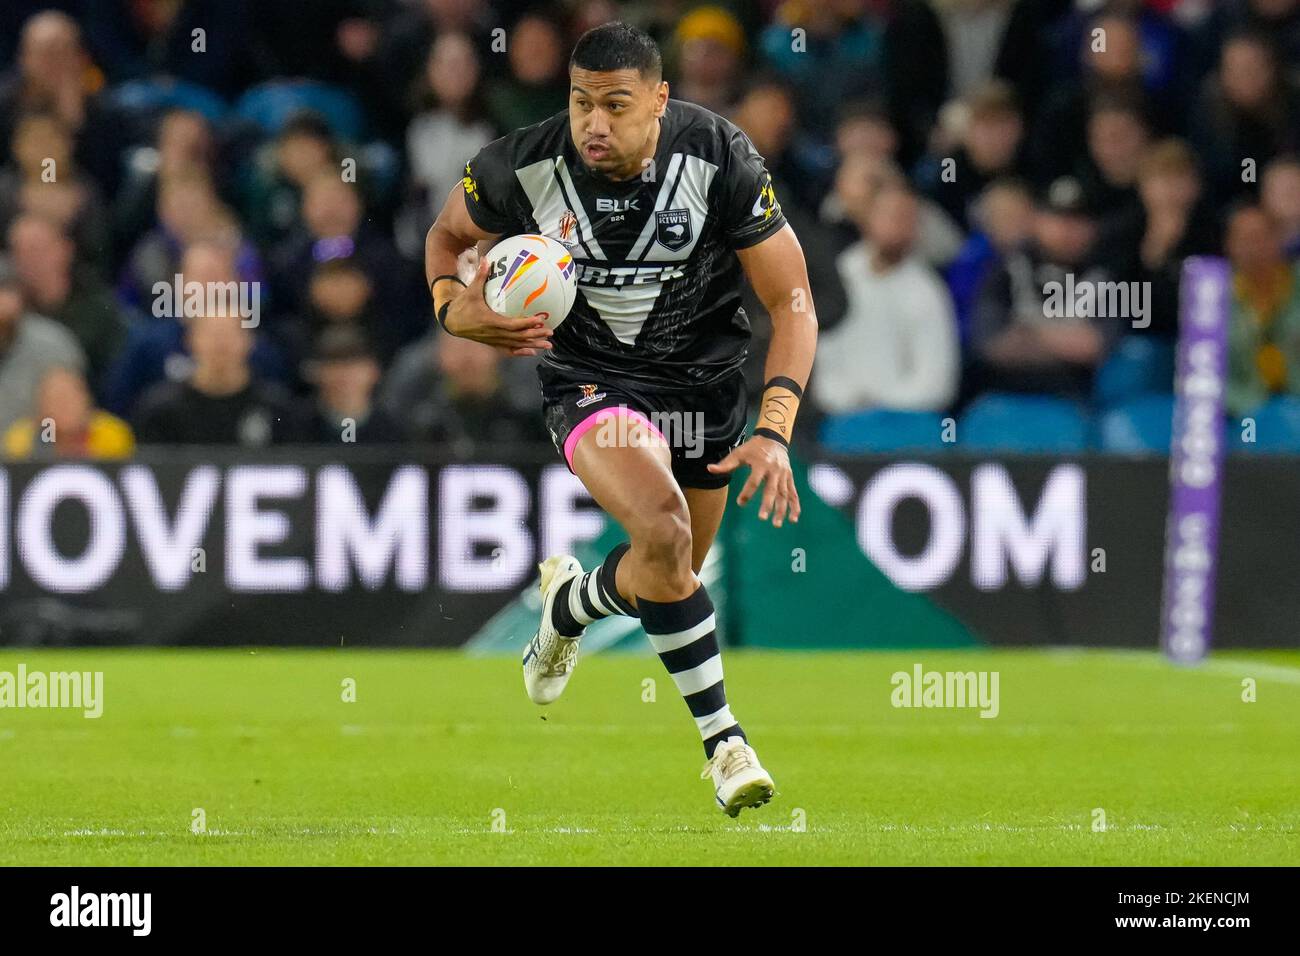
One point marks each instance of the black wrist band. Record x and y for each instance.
(437, 279)
(441, 313)
(774, 435)
(782, 381)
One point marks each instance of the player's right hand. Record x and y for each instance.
(469, 317)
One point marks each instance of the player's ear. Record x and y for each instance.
(661, 98)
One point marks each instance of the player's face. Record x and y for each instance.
(614, 119)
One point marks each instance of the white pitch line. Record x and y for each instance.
(1234, 666)
(1246, 668)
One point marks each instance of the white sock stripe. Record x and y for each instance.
(698, 678)
(663, 643)
(596, 596)
(715, 723)
(575, 604)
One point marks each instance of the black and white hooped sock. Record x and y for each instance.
(588, 598)
(684, 635)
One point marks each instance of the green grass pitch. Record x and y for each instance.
(438, 746)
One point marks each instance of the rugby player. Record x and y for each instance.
(662, 204)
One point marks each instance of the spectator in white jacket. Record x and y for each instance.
(897, 346)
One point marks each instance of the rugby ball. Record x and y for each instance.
(531, 275)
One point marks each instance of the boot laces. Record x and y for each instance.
(564, 660)
(728, 762)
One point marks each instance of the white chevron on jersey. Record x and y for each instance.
(550, 191)
(623, 304)
(626, 307)
(671, 175)
(570, 194)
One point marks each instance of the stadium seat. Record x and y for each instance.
(137, 97)
(1277, 428)
(271, 104)
(881, 429)
(1023, 423)
(1141, 425)
(1138, 365)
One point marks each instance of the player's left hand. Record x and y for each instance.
(769, 465)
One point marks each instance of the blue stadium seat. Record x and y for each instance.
(1138, 365)
(163, 93)
(881, 429)
(1023, 423)
(271, 104)
(1277, 428)
(1141, 425)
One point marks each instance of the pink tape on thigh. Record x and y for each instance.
(595, 418)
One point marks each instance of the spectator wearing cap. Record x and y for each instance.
(896, 347)
(1025, 335)
(30, 345)
(708, 52)
(991, 135)
(1264, 335)
(65, 424)
(222, 402)
(345, 372)
(69, 293)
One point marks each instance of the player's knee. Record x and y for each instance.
(663, 539)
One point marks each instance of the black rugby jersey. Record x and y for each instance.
(658, 282)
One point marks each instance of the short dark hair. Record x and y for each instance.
(618, 46)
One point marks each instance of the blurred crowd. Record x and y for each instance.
(945, 164)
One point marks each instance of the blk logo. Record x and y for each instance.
(616, 205)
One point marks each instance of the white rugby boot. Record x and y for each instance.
(550, 657)
(739, 780)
